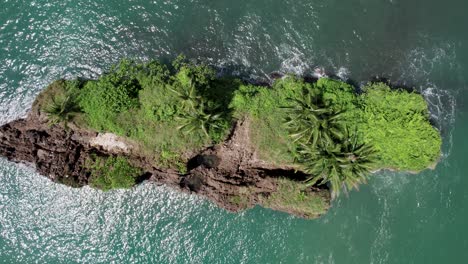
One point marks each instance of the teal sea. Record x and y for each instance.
(396, 218)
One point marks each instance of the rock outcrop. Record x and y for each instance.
(218, 173)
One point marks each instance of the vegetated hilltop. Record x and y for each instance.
(290, 147)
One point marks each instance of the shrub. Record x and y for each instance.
(147, 102)
(112, 173)
(174, 111)
(111, 94)
(393, 123)
(338, 95)
(263, 106)
(396, 123)
(296, 197)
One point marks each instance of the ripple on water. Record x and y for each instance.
(87, 225)
(44, 40)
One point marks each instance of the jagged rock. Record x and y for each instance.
(218, 173)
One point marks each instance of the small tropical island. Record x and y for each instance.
(290, 146)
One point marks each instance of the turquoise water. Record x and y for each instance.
(396, 218)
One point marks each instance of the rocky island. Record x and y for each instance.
(291, 146)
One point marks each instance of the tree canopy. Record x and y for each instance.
(325, 128)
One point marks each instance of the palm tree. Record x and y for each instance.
(322, 164)
(187, 95)
(199, 118)
(307, 122)
(344, 165)
(324, 146)
(62, 109)
(359, 159)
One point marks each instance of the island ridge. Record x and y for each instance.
(291, 146)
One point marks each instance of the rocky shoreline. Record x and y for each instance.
(229, 174)
(164, 123)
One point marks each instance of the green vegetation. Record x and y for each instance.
(325, 129)
(62, 110)
(324, 146)
(112, 173)
(292, 196)
(344, 163)
(62, 107)
(169, 111)
(309, 122)
(307, 126)
(396, 122)
(263, 105)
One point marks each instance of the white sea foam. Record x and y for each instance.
(42, 222)
(293, 60)
(424, 66)
(343, 73)
(442, 105)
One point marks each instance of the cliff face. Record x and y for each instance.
(228, 174)
(53, 151)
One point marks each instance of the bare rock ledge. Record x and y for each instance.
(218, 173)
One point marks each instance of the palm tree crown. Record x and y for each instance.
(324, 146)
(308, 123)
(199, 113)
(344, 165)
(199, 118)
(62, 109)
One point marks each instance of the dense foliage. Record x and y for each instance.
(63, 107)
(396, 122)
(345, 163)
(326, 128)
(112, 94)
(308, 126)
(169, 111)
(112, 173)
(295, 197)
(264, 106)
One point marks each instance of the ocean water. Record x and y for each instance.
(396, 218)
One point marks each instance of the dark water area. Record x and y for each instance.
(396, 218)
